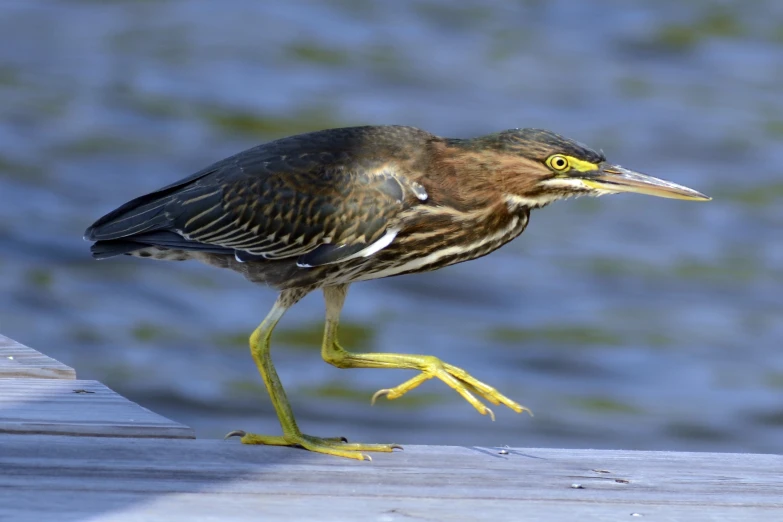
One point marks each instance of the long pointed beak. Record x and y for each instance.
(615, 178)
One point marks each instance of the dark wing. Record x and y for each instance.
(270, 202)
(143, 213)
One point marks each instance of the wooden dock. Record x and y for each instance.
(73, 450)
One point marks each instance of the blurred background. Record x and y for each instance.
(626, 322)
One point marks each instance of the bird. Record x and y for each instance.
(325, 209)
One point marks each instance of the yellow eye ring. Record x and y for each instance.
(557, 162)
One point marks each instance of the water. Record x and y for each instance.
(624, 322)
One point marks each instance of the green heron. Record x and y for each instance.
(328, 208)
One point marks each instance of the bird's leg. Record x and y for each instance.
(457, 378)
(292, 436)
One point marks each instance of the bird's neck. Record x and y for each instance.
(465, 176)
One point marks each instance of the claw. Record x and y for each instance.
(491, 414)
(379, 393)
(235, 433)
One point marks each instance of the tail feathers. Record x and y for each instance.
(107, 249)
(161, 239)
(125, 222)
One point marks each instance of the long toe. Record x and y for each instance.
(485, 391)
(459, 380)
(337, 446)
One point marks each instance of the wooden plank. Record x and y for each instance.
(155, 479)
(18, 360)
(74, 407)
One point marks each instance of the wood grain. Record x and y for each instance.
(18, 360)
(74, 407)
(103, 479)
(73, 450)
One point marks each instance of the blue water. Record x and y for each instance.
(623, 322)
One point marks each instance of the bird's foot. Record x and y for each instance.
(337, 446)
(460, 380)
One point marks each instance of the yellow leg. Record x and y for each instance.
(292, 436)
(457, 378)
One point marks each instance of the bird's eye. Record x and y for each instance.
(557, 162)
